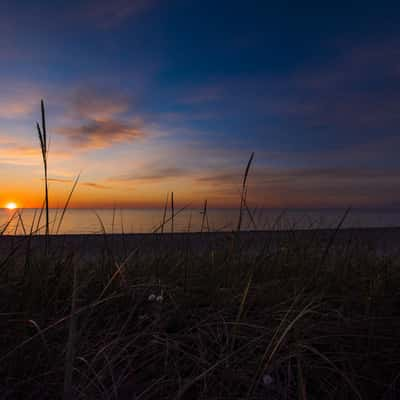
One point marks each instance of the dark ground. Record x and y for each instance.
(383, 240)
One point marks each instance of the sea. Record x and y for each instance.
(98, 221)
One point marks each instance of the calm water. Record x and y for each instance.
(146, 220)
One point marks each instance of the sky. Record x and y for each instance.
(147, 97)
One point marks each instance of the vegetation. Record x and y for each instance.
(232, 319)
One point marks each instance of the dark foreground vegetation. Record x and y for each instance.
(289, 316)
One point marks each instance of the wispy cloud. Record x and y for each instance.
(19, 155)
(19, 100)
(60, 180)
(156, 175)
(99, 118)
(300, 175)
(297, 187)
(95, 185)
(24, 155)
(101, 134)
(96, 103)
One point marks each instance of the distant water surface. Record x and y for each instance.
(147, 220)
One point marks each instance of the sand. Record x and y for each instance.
(381, 240)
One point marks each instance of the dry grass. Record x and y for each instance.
(88, 329)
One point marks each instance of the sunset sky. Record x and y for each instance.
(149, 96)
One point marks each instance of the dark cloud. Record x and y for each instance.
(157, 174)
(277, 175)
(89, 184)
(60, 180)
(95, 185)
(100, 117)
(298, 187)
(100, 134)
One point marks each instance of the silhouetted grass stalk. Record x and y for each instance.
(42, 133)
(67, 203)
(172, 212)
(165, 214)
(204, 218)
(244, 191)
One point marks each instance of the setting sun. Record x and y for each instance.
(11, 205)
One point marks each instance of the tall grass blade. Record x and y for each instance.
(67, 203)
(7, 224)
(244, 191)
(204, 213)
(42, 133)
(21, 221)
(37, 229)
(158, 228)
(113, 219)
(189, 222)
(333, 236)
(172, 212)
(165, 214)
(250, 214)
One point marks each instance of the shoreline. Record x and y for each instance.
(383, 240)
(244, 232)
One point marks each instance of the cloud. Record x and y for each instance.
(108, 14)
(22, 155)
(99, 118)
(299, 187)
(95, 185)
(157, 174)
(60, 180)
(94, 103)
(19, 100)
(19, 155)
(101, 134)
(297, 175)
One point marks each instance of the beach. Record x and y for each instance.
(381, 240)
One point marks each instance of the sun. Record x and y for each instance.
(11, 205)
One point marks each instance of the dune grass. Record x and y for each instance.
(262, 320)
(44, 147)
(225, 316)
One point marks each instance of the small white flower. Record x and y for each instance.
(160, 299)
(152, 297)
(267, 380)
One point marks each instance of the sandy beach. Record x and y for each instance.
(380, 240)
